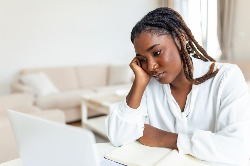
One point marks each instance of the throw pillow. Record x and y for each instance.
(40, 83)
(119, 74)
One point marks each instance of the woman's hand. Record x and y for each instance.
(158, 138)
(140, 83)
(140, 74)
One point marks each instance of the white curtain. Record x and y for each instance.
(167, 3)
(201, 18)
(225, 23)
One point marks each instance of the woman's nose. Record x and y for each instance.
(153, 66)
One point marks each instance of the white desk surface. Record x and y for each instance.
(102, 148)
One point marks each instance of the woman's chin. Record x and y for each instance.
(163, 81)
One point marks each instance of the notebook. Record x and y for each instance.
(136, 154)
(43, 142)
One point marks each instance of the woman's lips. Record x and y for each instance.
(158, 75)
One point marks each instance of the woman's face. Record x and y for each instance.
(159, 56)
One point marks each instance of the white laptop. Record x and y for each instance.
(46, 143)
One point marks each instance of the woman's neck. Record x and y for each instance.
(181, 82)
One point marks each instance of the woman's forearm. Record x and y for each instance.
(170, 140)
(135, 94)
(159, 138)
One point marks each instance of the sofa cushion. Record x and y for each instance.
(114, 88)
(66, 99)
(25, 109)
(92, 75)
(119, 74)
(73, 114)
(40, 83)
(17, 100)
(8, 146)
(60, 76)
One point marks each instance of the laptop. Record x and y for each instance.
(43, 142)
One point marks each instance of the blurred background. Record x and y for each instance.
(50, 33)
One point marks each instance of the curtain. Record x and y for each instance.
(167, 3)
(225, 12)
(201, 18)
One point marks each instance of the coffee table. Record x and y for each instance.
(101, 102)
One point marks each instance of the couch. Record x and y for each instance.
(24, 103)
(64, 86)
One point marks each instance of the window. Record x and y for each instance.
(201, 18)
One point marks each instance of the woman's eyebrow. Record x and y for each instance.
(151, 47)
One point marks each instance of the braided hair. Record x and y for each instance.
(166, 21)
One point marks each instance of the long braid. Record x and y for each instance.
(187, 61)
(197, 52)
(166, 21)
(202, 54)
(190, 35)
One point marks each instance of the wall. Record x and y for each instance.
(65, 32)
(241, 30)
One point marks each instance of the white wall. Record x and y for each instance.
(66, 32)
(241, 30)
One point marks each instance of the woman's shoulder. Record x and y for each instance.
(228, 68)
(224, 68)
(201, 67)
(230, 75)
(228, 78)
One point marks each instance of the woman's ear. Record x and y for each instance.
(177, 42)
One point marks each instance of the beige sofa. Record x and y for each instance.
(71, 83)
(23, 103)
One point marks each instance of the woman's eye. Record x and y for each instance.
(157, 53)
(143, 60)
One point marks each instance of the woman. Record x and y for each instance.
(181, 98)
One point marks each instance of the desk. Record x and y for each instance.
(102, 148)
(102, 102)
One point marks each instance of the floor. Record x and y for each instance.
(99, 138)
